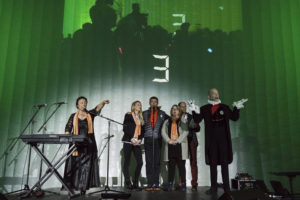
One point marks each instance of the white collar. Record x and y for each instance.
(214, 102)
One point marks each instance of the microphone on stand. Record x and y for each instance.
(40, 106)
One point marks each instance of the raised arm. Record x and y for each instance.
(233, 114)
(101, 105)
(198, 117)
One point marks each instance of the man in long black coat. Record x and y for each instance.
(218, 148)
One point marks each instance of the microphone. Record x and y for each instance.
(60, 103)
(40, 106)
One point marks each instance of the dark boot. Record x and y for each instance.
(136, 186)
(128, 185)
(170, 187)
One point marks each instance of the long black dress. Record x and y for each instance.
(82, 171)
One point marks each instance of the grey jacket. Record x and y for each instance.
(183, 133)
(156, 131)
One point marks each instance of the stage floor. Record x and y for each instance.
(135, 195)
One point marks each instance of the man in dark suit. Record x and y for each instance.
(218, 148)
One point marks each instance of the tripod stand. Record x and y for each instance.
(106, 190)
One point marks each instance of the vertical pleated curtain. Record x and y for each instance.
(49, 53)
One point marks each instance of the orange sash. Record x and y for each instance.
(137, 131)
(155, 117)
(174, 133)
(76, 129)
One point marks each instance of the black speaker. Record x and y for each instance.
(245, 195)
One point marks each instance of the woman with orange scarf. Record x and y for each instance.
(81, 169)
(174, 133)
(133, 134)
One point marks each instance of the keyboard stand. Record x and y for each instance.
(52, 169)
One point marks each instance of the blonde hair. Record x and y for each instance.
(140, 112)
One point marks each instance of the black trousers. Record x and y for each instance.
(214, 175)
(152, 152)
(181, 168)
(218, 153)
(137, 152)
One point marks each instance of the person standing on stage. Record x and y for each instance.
(218, 148)
(175, 132)
(154, 118)
(81, 169)
(192, 143)
(133, 134)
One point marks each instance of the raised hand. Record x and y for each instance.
(239, 104)
(192, 106)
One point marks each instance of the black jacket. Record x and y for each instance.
(205, 113)
(129, 128)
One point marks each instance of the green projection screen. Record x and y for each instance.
(54, 51)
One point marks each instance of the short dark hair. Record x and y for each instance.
(181, 103)
(81, 97)
(153, 97)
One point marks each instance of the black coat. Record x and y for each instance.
(205, 113)
(129, 128)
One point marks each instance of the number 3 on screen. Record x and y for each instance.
(165, 68)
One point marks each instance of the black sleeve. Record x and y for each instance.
(142, 133)
(94, 113)
(198, 117)
(69, 125)
(126, 126)
(233, 115)
(166, 116)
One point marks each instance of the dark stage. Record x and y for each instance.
(175, 195)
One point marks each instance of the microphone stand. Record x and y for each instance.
(13, 144)
(106, 189)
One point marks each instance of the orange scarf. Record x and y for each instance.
(76, 129)
(174, 131)
(137, 131)
(155, 118)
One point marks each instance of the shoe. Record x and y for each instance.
(156, 188)
(136, 187)
(194, 188)
(170, 187)
(82, 192)
(183, 187)
(211, 191)
(149, 188)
